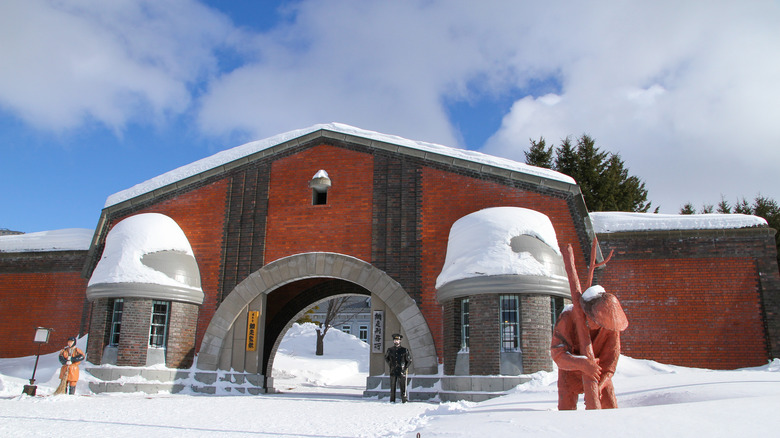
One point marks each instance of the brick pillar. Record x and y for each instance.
(451, 328)
(536, 333)
(182, 326)
(98, 330)
(484, 356)
(134, 338)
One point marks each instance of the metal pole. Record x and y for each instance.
(37, 355)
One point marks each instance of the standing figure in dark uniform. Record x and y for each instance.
(399, 359)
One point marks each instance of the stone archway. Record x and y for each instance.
(320, 265)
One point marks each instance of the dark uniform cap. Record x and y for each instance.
(397, 336)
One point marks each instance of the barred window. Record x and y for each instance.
(363, 333)
(465, 328)
(510, 322)
(116, 321)
(556, 307)
(158, 332)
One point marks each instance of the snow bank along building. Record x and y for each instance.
(458, 251)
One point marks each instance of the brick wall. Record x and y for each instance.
(535, 332)
(692, 298)
(134, 339)
(396, 246)
(342, 225)
(41, 289)
(200, 213)
(180, 349)
(99, 329)
(484, 332)
(452, 327)
(448, 196)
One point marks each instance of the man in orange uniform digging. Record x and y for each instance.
(70, 357)
(605, 320)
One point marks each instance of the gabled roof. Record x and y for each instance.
(225, 160)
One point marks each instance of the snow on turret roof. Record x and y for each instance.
(616, 222)
(130, 240)
(247, 149)
(69, 239)
(479, 244)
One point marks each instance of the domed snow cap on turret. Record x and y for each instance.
(502, 250)
(147, 256)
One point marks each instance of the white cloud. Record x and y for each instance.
(685, 91)
(687, 95)
(68, 62)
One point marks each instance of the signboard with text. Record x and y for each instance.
(251, 330)
(378, 332)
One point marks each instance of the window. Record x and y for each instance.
(319, 184)
(346, 329)
(464, 324)
(510, 322)
(556, 307)
(363, 333)
(116, 321)
(158, 331)
(319, 198)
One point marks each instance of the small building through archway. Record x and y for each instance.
(279, 293)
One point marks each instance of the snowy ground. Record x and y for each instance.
(322, 398)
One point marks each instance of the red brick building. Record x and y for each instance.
(271, 234)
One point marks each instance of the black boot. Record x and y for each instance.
(72, 390)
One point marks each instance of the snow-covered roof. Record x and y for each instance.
(480, 244)
(132, 239)
(69, 239)
(616, 222)
(236, 153)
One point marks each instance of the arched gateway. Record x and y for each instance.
(224, 343)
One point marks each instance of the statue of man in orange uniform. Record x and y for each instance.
(605, 320)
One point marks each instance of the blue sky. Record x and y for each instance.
(98, 96)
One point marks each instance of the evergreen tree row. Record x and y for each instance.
(602, 176)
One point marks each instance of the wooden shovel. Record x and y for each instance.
(590, 387)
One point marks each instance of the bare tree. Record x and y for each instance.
(336, 306)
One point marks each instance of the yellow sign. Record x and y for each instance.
(251, 331)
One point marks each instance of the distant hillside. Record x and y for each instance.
(7, 232)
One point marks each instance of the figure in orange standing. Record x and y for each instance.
(70, 357)
(605, 320)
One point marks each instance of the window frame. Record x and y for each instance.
(465, 325)
(115, 327)
(509, 323)
(154, 335)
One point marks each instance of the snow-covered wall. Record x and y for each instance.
(616, 222)
(69, 239)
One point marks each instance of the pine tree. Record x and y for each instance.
(566, 158)
(723, 206)
(743, 207)
(539, 154)
(688, 209)
(602, 176)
